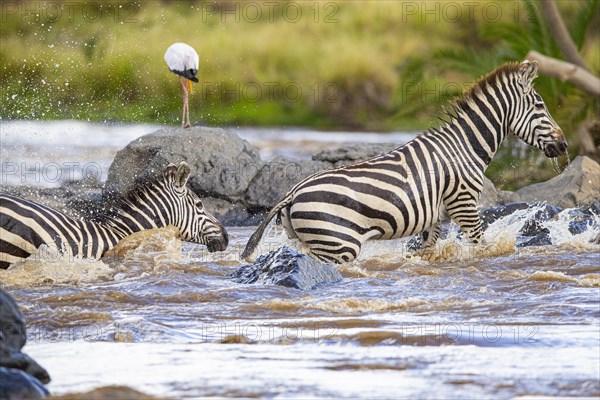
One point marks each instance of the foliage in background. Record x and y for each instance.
(333, 67)
(496, 42)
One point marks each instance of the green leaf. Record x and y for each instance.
(582, 20)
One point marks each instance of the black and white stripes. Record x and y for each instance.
(409, 190)
(26, 225)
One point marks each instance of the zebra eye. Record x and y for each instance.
(199, 204)
(539, 106)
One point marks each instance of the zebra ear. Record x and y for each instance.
(170, 170)
(527, 73)
(183, 174)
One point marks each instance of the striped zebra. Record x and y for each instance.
(156, 203)
(437, 175)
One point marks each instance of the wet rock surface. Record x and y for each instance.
(353, 153)
(222, 164)
(275, 178)
(578, 185)
(534, 231)
(17, 385)
(20, 376)
(287, 267)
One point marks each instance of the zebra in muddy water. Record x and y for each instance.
(409, 190)
(156, 203)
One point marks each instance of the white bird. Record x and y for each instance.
(183, 60)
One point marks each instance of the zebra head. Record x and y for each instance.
(531, 120)
(194, 222)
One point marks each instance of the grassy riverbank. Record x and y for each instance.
(363, 65)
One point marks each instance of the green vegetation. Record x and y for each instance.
(377, 65)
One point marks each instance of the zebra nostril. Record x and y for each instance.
(561, 146)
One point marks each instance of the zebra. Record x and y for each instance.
(437, 175)
(154, 203)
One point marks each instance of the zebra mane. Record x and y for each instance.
(451, 113)
(506, 69)
(117, 201)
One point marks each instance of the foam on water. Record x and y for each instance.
(500, 239)
(144, 252)
(51, 267)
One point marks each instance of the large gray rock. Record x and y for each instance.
(353, 153)
(222, 164)
(17, 385)
(12, 323)
(231, 213)
(577, 185)
(276, 178)
(287, 267)
(20, 375)
(489, 195)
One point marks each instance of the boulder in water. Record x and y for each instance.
(16, 384)
(275, 178)
(577, 185)
(542, 239)
(533, 227)
(12, 323)
(490, 215)
(20, 376)
(353, 153)
(287, 267)
(222, 165)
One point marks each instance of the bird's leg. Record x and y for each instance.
(185, 104)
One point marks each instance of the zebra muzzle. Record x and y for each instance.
(217, 243)
(555, 149)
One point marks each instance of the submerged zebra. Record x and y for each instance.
(156, 203)
(409, 190)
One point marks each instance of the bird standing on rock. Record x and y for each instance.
(183, 60)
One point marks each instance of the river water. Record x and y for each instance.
(162, 317)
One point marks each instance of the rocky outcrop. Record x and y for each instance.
(222, 165)
(20, 376)
(577, 185)
(276, 178)
(353, 153)
(287, 267)
(16, 385)
(77, 199)
(226, 171)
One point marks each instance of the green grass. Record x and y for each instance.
(374, 65)
(349, 62)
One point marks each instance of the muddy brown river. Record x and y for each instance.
(492, 321)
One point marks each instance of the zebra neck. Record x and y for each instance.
(481, 125)
(130, 219)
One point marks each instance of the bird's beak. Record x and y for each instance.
(190, 86)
